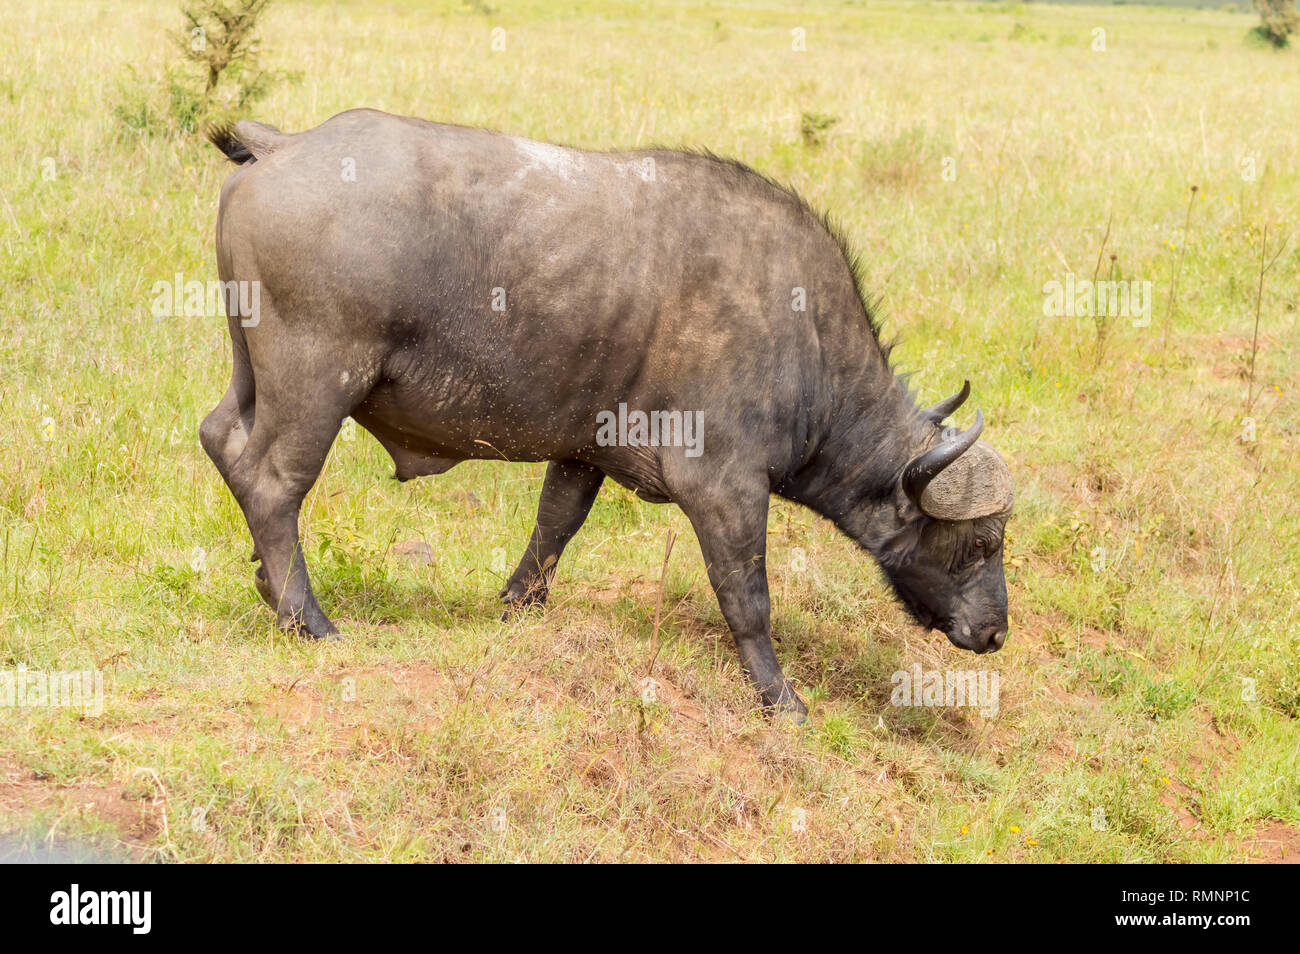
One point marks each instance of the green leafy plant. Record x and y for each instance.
(813, 126)
(219, 72)
(1278, 19)
(220, 37)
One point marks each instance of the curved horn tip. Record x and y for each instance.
(936, 413)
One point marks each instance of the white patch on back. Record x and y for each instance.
(576, 167)
(566, 164)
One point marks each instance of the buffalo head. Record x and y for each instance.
(945, 560)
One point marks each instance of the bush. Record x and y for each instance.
(813, 126)
(1278, 19)
(219, 72)
(220, 38)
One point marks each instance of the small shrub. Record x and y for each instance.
(1165, 698)
(1278, 19)
(220, 38)
(219, 72)
(813, 126)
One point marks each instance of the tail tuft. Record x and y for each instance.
(224, 138)
(246, 141)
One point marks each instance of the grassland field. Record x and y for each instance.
(973, 153)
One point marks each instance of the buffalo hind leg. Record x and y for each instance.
(224, 435)
(730, 522)
(281, 461)
(568, 492)
(224, 432)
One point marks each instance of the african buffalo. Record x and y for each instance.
(467, 294)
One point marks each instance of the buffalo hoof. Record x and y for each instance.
(786, 708)
(520, 597)
(316, 625)
(313, 625)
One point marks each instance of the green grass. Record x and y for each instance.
(436, 733)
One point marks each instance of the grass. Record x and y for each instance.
(1148, 706)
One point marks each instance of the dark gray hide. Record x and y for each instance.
(467, 294)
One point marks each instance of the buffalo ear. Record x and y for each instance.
(976, 484)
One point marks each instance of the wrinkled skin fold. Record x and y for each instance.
(466, 294)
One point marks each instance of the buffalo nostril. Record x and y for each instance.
(996, 640)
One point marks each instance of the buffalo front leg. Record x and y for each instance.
(731, 525)
(568, 492)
